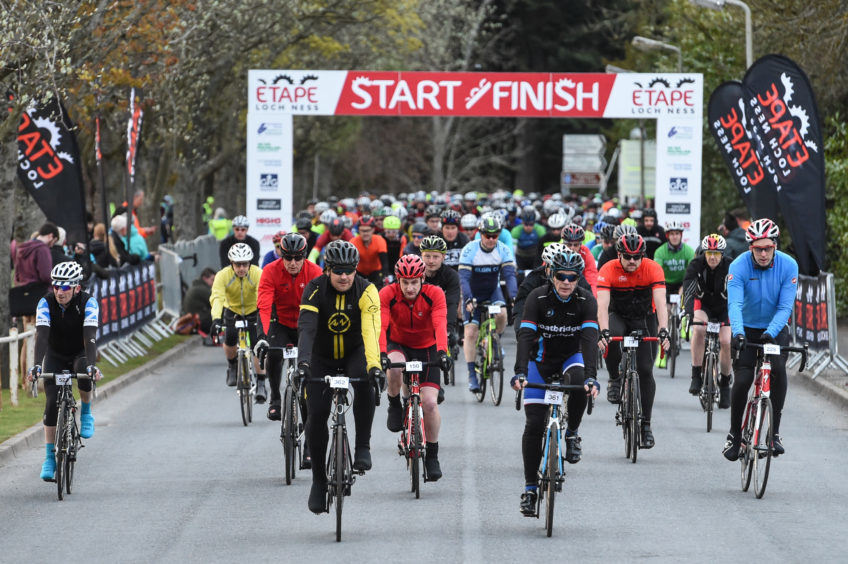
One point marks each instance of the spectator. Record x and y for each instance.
(99, 247)
(117, 242)
(166, 213)
(83, 257)
(33, 261)
(196, 300)
(219, 225)
(57, 251)
(734, 232)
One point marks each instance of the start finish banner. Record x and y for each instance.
(674, 100)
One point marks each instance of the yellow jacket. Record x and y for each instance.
(234, 293)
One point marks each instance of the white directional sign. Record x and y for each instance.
(583, 144)
(578, 162)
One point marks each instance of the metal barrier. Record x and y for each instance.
(814, 322)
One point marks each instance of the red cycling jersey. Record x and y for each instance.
(418, 324)
(590, 271)
(279, 288)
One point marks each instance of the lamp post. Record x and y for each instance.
(719, 5)
(647, 44)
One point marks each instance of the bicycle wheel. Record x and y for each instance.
(709, 389)
(341, 458)
(496, 376)
(635, 419)
(550, 487)
(73, 450)
(415, 451)
(763, 439)
(452, 373)
(674, 349)
(745, 452)
(243, 379)
(624, 413)
(289, 433)
(481, 361)
(61, 448)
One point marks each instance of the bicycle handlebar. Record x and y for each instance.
(48, 375)
(555, 387)
(804, 350)
(641, 338)
(352, 380)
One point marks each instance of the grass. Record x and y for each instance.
(29, 411)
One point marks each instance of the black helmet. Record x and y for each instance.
(341, 253)
(303, 223)
(567, 260)
(649, 212)
(432, 211)
(631, 244)
(336, 226)
(607, 232)
(528, 215)
(293, 244)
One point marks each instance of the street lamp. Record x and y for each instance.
(612, 69)
(647, 44)
(719, 5)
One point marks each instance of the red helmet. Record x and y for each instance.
(278, 236)
(367, 220)
(409, 266)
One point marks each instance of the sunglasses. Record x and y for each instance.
(293, 257)
(489, 236)
(633, 258)
(563, 277)
(763, 250)
(417, 236)
(343, 270)
(63, 287)
(714, 254)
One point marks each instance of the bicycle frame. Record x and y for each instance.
(487, 328)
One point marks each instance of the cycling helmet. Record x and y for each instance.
(363, 202)
(762, 229)
(567, 260)
(336, 226)
(278, 236)
(241, 221)
(615, 212)
(631, 244)
(240, 252)
(622, 230)
(608, 232)
(420, 228)
(347, 221)
(450, 217)
(433, 243)
(528, 216)
(674, 226)
(649, 212)
(341, 253)
(409, 266)
(713, 242)
(598, 227)
(491, 224)
(303, 214)
(468, 221)
(367, 220)
(549, 251)
(293, 244)
(629, 221)
(432, 211)
(391, 222)
(67, 273)
(557, 220)
(573, 233)
(327, 216)
(470, 197)
(375, 205)
(321, 207)
(303, 223)
(636, 214)
(401, 212)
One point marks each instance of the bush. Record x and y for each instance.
(836, 166)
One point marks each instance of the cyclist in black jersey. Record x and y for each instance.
(455, 239)
(558, 332)
(338, 329)
(66, 321)
(433, 249)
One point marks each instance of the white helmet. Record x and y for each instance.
(551, 250)
(241, 221)
(674, 226)
(67, 273)
(468, 221)
(240, 252)
(321, 207)
(327, 216)
(557, 220)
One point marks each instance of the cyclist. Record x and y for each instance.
(468, 222)
(335, 231)
(304, 227)
(338, 329)
(274, 253)
(559, 321)
(234, 293)
(761, 286)
(610, 253)
(240, 226)
(280, 290)
(631, 296)
(433, 219)
(607, 241)
(419, 231)
(481, 265)
(66, 321)
(433, 253)
(454, 238)
(526, 238)
(572, 236)
(651, 232)
(373, 252)
(556, 222)
(394, 241)
(673, 256)
(414, 327)
(706, 297)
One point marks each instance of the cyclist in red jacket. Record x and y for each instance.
(280, 290)
(414, 327)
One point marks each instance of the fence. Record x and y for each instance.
(181, 263)
(814, 323)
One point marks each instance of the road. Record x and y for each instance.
(172, 476)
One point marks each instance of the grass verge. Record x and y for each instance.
(13, 420)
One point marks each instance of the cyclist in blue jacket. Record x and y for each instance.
(761, 286)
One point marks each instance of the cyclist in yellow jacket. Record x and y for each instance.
(234, 293)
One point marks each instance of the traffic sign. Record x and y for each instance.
(583, 144)
(583, 162)
(581, 179)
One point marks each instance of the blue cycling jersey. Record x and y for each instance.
(480, 271)
(761, 298)
(505, 237)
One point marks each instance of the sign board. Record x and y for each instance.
(583, 144)
(580, 180)
(675, 100)
(578, 162)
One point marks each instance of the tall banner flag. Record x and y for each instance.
(133, 136)
(784, 123)
(727, 115)
(48, 166)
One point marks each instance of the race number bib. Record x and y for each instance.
(290, 352)
(631, 343)
(241, 324)
(713, 327)
(494, 309)
(674, 298)
(339, 382)
(414, 366)
(552, 397)
(771, 349)
(62, 379)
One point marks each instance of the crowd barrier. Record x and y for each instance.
(181, 263)
(814, 323)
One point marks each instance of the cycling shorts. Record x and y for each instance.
(431, 376)
(535, 395)
(231, 335)
(474, 317)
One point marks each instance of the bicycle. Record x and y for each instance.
(68, 441)
(291, 429)
(629, 413)
(246, 375)
(412, 444)
(488, 353)
(340, 471)
(709, 393)
(673, 333)
(757, 425)
(450, 377)
(551, 472)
